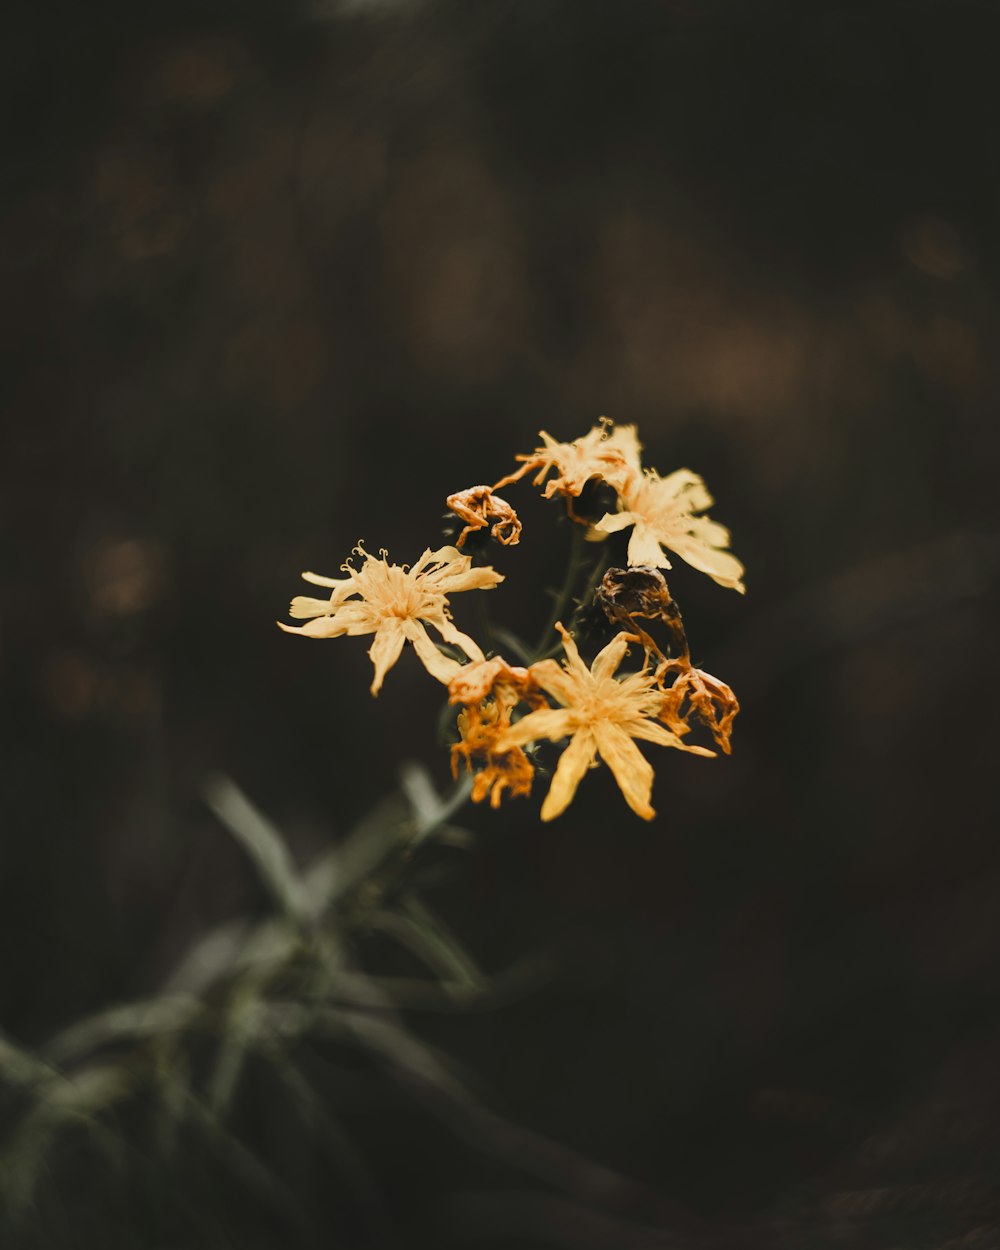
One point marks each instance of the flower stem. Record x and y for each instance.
(565, 591)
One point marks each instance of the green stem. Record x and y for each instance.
(565, 591)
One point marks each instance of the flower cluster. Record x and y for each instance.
(596, 711)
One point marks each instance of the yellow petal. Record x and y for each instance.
(573, 763)
(683, 482)
(385, 649)
(483, 578)
(612, 522)
(575, 666)
(546, 722)
(631, 769)
(644, 547)
(318, 580)
(303, 607)
(651, 731)
(449, 633)
(721, 566)
(440, 666)
(607, 660)
(321, 627)
(554, 680)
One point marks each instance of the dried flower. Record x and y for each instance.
(601, 715)
(699, 694)
(477, 507)
(662, 510)
(608, 452)
(490, 691)
(396, 603)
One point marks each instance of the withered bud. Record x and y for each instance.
(478, 507)
(641, 591)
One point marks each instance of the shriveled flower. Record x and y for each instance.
(608, 453)
(477, 507)
(396, 603)
(695, 693)
(601, 715)
(662, 509)
(490, 691)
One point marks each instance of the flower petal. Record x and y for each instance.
(574, 665)
(612, 522)
(321, 627)
(318, 580)
(385, 649)
(554, 680)
(682, 482)
(482, 578)
(547, 722)
(651, 731)
(573, 763)
(631, 769)
(450, 633)
(607, 660)
(644, 547)
(440, 666)
(302, 607)
(721, 566)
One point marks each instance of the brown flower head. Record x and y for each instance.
(396, 603)
(601, 715)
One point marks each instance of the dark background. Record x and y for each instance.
(277, 277)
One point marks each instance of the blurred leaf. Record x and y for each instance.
(154, 1017)
(262, 842)
(427, 937)
(343, 869)
(19, 1067)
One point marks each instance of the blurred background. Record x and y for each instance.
(277, 277)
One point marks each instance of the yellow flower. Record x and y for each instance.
(396, 603)
(662, 510)
(607, 452)
(601, 715)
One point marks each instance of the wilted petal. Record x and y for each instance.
(554, 680)
(548, 722)
(644, 548)
(612, 522)
(683, 482)
(321, 627)
(482, 578)
(303, 607)
(607, 660)
(317, 579)
(721, 566)
(449, 633)
(651, 731)
(385, 649)
(438, 665)
(443, 555)
(573, 763)
(631, 769)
